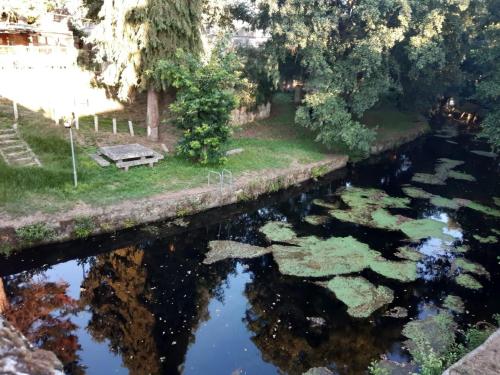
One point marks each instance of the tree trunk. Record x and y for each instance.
(153, 114)
(4, 302)
(297, 97)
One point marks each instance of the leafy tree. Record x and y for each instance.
(134, 35)
(205, 98)
(484, 68)
(344, 49)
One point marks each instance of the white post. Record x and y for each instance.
(149, 131)
(96, 123)
(114, 126)
(75, 178)
(131, 128)
(16, 112)
(77, 122)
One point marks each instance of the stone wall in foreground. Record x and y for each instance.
(18, 357)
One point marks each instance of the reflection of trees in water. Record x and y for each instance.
(41, 311)
(278, 317)
(148, 304)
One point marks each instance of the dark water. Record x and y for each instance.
(141, 302)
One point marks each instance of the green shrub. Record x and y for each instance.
(31, 234)
(84, 227)
(205, 98)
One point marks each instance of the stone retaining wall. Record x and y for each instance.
(17, 355)
(241, 116)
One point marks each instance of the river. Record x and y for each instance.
(143, 302)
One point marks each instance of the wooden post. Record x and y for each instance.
(16, 112)
(114, 126)
(96, 123)
(131, 128)
(149, 131)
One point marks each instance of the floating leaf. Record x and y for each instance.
(424, 228)
(361, 297)
(322, 203)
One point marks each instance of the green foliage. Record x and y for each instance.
(83, 228)
(205, 99)
(34, 233)
(376, 369)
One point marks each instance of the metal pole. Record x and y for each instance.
(75, 178)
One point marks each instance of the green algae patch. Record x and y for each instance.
(443, 170)
(381, 218)
(479, 207)
(485, 240)
(278, 231)
(496, 231)
(438, 331)
(461, 176)
(314, 257)
(423, 228)
(460, 249)
(468, 281)
(404, 271)
(361, 297)
(454, 303)
(221, 250)
(408, 253)
(368, 207)
(324, 204)
(416, 193)
(496, 200)
(470, 267)
(316, 219)
(439, 201)
(487, 154)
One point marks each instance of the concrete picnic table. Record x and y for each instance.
(125, 156)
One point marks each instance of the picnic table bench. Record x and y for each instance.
(125, 156)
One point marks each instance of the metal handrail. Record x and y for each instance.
(217, 174)
(228, 173)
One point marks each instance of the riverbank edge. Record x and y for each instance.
(83, 221)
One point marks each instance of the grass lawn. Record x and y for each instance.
(49, 189)
(273, 143)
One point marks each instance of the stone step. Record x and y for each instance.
(22, 160)
(8, 141)
(100, 160)
(8, 136)
(12, 147)
(7, 131)
(13, 154)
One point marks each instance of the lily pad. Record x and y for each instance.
(437, 330)
(470, 267)
(316, 219)
(452, 142)
(408, 253)
(496, 200)
(454, 303)
(361, 297)
(485, 240)
(278, 231)
(468, 281)
(487, 154)
(479, 207)
(220, 250)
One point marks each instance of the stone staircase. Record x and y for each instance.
(14, 150)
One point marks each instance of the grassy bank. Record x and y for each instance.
(274, 143)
